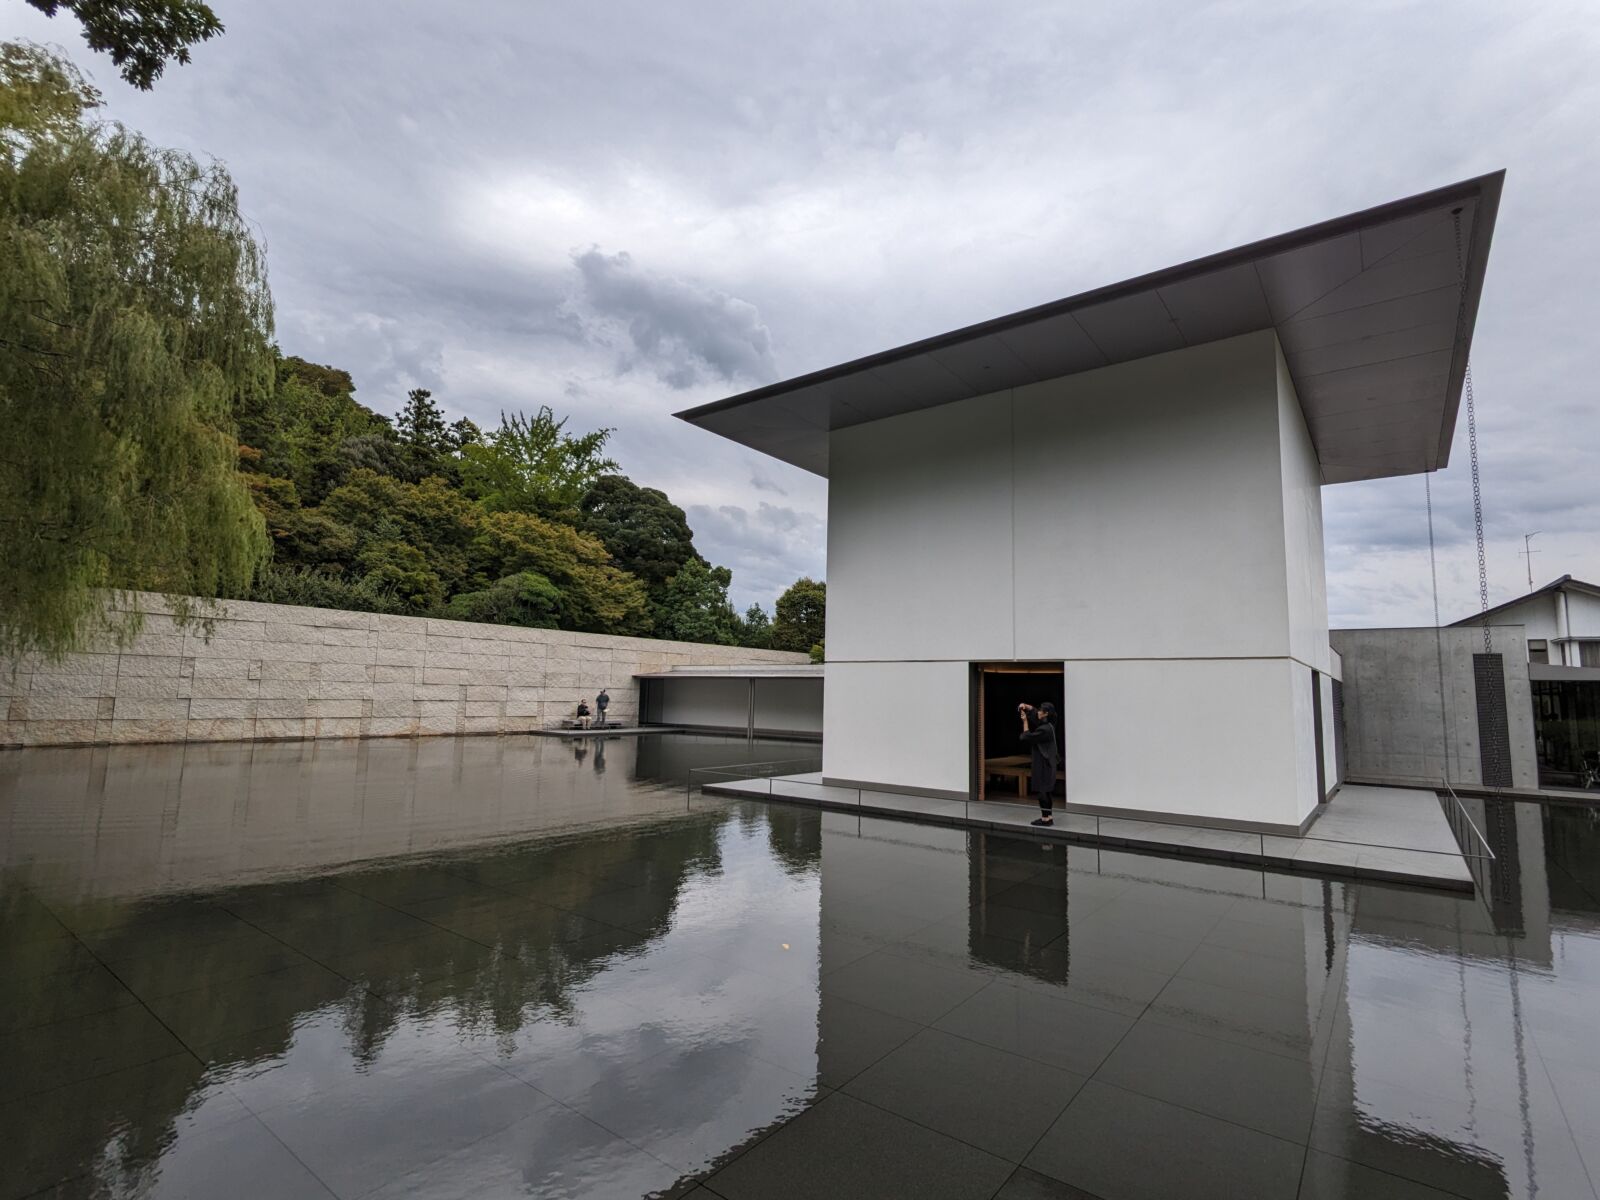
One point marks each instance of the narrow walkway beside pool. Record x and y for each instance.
(1395, 834)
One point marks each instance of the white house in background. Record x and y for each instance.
(1114, 500)
(1562, 620)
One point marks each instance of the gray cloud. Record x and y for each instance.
(768, 547)
(791, 199)
(680, 330)
(763, 482)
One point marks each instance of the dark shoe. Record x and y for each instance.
(1044, 821)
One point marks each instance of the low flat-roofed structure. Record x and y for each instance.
(1113, 502)
(762, 699)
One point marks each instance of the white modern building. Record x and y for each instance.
(1561, 621)
(1114, 501)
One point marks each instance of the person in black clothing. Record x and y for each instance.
(1040, 734)
(602, 702)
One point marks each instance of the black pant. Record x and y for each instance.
(1044, 803)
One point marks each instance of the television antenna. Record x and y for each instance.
(1528, 552)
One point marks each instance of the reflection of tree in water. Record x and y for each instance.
(538, 951)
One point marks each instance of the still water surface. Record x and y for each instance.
(523, 967)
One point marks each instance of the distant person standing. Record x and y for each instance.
(602, 702)
(1040, 734)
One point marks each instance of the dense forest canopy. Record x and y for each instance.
(525, 525)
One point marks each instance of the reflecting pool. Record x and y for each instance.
(511, 966)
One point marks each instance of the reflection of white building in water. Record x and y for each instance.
(1119, 494)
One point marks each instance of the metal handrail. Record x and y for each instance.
(754, 770)
(1463, 815)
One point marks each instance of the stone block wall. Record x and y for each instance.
(277, 671)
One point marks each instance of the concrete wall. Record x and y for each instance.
(902, 724)
(1391, 705)
(782, 706)
(1156, 526)
(276, 671)
(789, 705)
(707, 703)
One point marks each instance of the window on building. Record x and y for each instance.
(1538, 650)
(1589, 654)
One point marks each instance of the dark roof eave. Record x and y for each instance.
(1483, 187)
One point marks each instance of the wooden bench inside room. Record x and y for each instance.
(1011, 766)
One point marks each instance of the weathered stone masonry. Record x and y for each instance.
(277, 671)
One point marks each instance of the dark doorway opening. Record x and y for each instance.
(1000, 759)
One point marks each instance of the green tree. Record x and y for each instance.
(801, 616)
(695, 607)
(134, 316)
(526, 598)
(280, 584)
(529, 465)
(595, 596)
(301, 537)
(404, 571)
(646, 533)
(755, 629)
(407, 531)
(306, 426)
(140, 35)
(424, 437)
(461, 434)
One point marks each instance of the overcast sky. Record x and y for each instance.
(625, 209)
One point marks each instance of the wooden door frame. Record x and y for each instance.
(978, 716)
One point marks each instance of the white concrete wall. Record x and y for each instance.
(1210, 739)
(789, 705)
(1148, 509)
(1155, 525)
(919, 528)
(1583, 615)
(1305, 564)
(904, 724)
(279, 671)
(714, 703)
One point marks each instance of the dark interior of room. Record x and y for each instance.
(1000, 690)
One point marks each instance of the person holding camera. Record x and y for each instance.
(1039, 731)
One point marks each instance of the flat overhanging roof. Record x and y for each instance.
(1375, 312)
(747, 671)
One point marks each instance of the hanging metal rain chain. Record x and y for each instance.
(1493, 764)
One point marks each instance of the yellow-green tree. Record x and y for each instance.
(594, 595)
(134, 317)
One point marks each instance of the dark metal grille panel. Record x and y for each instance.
(1494, 733)
(1338, 727)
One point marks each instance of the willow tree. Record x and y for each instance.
(134, 317)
